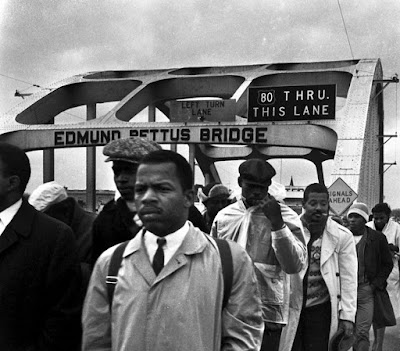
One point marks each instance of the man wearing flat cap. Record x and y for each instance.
(273, 236)
(115, 223)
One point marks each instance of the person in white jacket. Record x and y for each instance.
(323, 295)
(383, 223)
(273, 236)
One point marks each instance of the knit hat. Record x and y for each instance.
(129, 149)
(212, 190)
(46, 195)
(359, 208)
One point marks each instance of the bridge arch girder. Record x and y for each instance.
(351, 139)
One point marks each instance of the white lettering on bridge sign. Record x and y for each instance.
(291, 103)
(341, 196)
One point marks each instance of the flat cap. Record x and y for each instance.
(129, 149)
(256, 171)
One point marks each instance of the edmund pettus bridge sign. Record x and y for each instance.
(341, 196)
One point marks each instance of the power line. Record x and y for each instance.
(23, 81)
(20, 80)
(37, 86)
(345, 29)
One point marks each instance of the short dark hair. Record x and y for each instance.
(16, 162)
(382, 207)
(183, 169)
(315, 188)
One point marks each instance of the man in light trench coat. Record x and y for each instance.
(169, 292)
(323, 296)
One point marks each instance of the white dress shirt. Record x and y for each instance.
(174, 240)
(8, 214)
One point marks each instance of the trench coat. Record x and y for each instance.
(339, 269)
(178, 310)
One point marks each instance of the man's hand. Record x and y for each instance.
(347, 326)
(272, 211)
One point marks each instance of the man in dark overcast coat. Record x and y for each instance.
(39, 270)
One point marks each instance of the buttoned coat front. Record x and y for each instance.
(178, 310)
(339, 271)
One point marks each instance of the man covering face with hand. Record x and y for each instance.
(272, 235)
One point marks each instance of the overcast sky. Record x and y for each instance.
(45, 41)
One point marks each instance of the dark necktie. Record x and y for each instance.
(158, 260)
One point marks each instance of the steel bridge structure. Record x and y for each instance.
(352, 136)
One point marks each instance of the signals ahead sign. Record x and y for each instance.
(341, 196)
(304, 102)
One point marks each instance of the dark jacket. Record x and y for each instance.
(81, 222)
(377, 258)
(113, 225)
(197, 219)
(39, 284)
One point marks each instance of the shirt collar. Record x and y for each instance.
(174, 239)
(8, 214)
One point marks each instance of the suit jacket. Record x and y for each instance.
(39, 284)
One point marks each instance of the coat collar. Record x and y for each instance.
(19, 226)
(330, 240)
(194, 242)
(370, 233)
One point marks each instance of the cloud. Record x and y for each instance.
(45, 41)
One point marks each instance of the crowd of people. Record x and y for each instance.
(151, 272)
